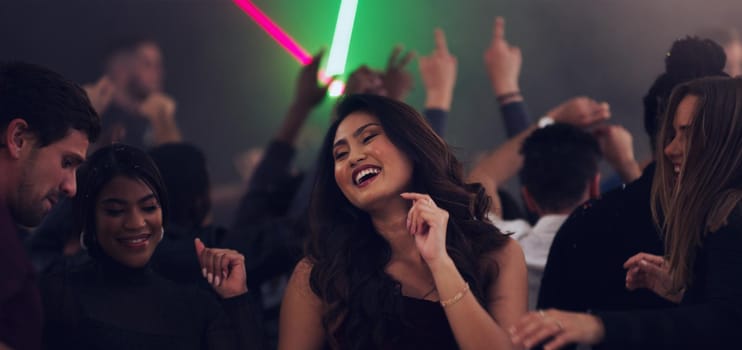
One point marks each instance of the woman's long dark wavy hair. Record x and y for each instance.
(98, 170)
(363, 304)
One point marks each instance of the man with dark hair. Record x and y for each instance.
(569, 157)
(47, 123)
(130, 96)
(585, 266)
(560, 172)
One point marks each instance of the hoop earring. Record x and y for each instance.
(162, 233)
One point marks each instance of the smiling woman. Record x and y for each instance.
(400, 255)
(121, 205)
(129, 221)
(113, 299)
(363, 153)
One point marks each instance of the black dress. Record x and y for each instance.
(710, 314)
(422, 324)
(426, 327)
(100, 304)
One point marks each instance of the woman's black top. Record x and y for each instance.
(427, 327)
(101, 304)
(422, 324)
(710, 314)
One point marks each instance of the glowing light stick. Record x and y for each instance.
(274, 31)
(341, 38)
(340, 42)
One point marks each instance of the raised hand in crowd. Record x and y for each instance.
(506, 159)
(159, 108)
(309, 93)
(365, 80)
(438, 71)
(394, 82)
(100, 93)
(581, 112)
(616, 144)
(503, 62)
(396, 78)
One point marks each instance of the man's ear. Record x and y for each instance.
(529, 201)
(16, 137)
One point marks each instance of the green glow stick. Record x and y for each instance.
(341, 43)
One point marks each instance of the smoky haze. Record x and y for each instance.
(233, 83)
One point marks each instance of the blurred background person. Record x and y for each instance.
(130, 98)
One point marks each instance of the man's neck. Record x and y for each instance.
(566, 211)
(7, 181)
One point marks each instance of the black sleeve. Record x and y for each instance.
(709, 322)
(263, 229)
(61, 312)
(516, 118)
(48, 241)
(437, 119)
(274, 165)
(584, 270)
(270, 189)
(235, 326)
(559, 283)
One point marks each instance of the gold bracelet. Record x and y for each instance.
(456, 298)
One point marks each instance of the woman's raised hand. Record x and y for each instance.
(224, 269)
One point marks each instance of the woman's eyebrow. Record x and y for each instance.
(356, 133)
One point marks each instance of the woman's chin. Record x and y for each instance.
(379, 203)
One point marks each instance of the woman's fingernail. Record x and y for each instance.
(210, 277)
(217, 280)
(203, 272)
